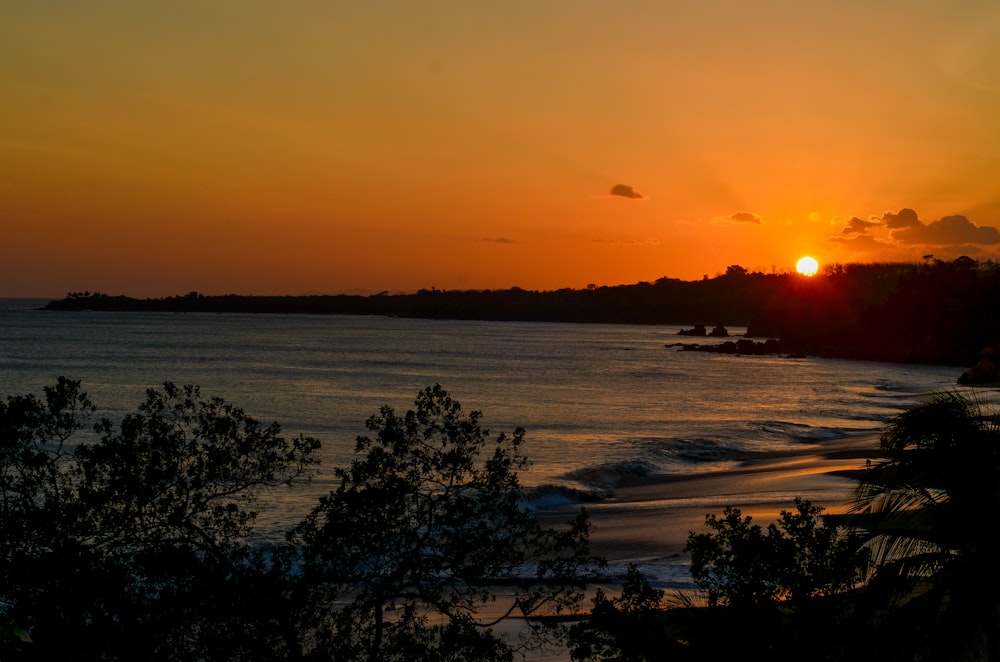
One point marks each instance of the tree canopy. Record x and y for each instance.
(740, 563)
(427, 522)
(926, 511)
(134, 542)
(135, 539)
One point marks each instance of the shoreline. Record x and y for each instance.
(650, 517)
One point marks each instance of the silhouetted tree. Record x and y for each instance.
(735, 270)
(927, 511)
(427, 523)
(629, 628)
(134, 543)
(741, 564)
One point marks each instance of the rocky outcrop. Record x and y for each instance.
(698, 330)
(986, 371)
(741, 346)
(719, 332)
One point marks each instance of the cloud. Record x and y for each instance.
(949, 230)
(745, 217)
(861, 242)
(625, 191)
(858, 226)
(906, 218)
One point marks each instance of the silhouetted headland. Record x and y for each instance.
(933, 312)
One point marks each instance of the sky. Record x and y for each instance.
(160, 147)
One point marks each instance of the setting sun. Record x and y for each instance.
(807, 266)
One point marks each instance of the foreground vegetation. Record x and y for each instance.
(138, 542)
(135, 540)
(909, 574)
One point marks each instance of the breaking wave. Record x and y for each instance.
(553, 496)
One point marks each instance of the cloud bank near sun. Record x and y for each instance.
(905, 227)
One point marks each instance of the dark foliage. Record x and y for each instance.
(425, 526)
(780, 593)
(743, 565)
(133, 542)
(633, 627)
(931, 312)
(926, 511)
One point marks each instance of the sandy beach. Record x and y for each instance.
(650, 518)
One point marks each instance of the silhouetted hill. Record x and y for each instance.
(934, 312)
(730, 300)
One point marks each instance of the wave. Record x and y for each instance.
(611, 474)
(678, 454)
(654, 457)
(801, 433)
(553, 496)
(659, 456)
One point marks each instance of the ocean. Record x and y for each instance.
(600, 403)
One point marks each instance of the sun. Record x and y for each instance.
(807, 266)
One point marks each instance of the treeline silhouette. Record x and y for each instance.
(929, 312)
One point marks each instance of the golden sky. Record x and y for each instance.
(153, 148)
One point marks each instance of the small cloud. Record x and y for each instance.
(861, 242)
(858, 226)
(625, 191)
(499, 240)
(950, 230)
(745, 217)
(906, 218)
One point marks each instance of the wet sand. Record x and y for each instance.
(648, 519)
(651, 517)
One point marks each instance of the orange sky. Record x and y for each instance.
(254, 147)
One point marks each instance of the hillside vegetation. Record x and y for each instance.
(930, 312)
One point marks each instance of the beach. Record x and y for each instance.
(648, 519)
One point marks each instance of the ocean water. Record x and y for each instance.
(599, 402)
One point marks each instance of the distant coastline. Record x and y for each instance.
(938, 312)
(22, 303)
